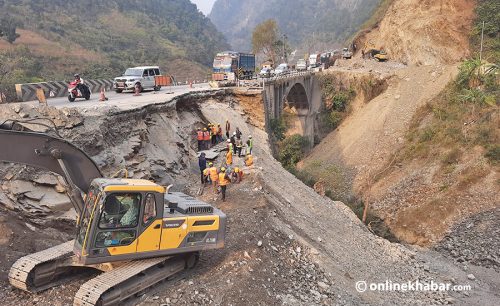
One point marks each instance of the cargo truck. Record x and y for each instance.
(229, 66)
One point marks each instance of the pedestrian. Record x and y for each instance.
(249, 159)
(238, 133)
(228, 128)
(206, 139)
(233, 142)
(239, 146)
(249, 144)
(213, 175)
(229, 145)
(229, 158)
(202, 163)
(223, 182)
(199, 137)
(219, 133)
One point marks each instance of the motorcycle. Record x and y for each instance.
(76, 91)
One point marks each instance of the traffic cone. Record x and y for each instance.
(102, 96)
(137, 90)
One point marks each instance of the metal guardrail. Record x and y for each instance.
(27, 92)
(289, 75)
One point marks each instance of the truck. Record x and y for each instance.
(346, 54)
(229, 66)
(314, 60)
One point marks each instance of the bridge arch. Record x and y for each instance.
(296, 96)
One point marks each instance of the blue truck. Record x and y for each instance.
(230, 65)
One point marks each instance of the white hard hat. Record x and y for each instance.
(229, 140)
(250, 136)
(234, 133)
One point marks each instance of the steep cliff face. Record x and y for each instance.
(423, 32)
(315, 24)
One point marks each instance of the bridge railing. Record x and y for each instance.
(289, 75)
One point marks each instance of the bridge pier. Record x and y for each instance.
(301, 92)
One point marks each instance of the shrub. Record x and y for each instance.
(291, 150)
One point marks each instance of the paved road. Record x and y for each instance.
(127, 100)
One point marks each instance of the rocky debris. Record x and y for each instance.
(475, 241)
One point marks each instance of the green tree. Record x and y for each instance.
(8, 29)
(265, 39)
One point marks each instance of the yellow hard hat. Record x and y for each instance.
(210, 164)
(222, 169)
(236, 169)
(204, 129)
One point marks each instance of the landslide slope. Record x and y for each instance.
(431, 37)
(423, 32)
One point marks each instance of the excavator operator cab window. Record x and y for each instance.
(119, 220)
(120, 210)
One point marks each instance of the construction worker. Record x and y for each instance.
(228, 128)
(239, 146)
(206, 176)
(238, 133)
(229, 158)
(202, 163)
(223, 182)
(213, 131)
(249, 144)
(206, 139)
(237, 175)
(213, 175)
(199, 137)
(219, 133)
(233, 141)
(229, 145)
(249, 160)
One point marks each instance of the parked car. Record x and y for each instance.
(265, 72)
(144, 77)
(281, 69)
(301, 65)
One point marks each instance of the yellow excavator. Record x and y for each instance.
(135, 231)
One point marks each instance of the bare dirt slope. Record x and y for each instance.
(366, 139)
(423, 31)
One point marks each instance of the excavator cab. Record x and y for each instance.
(125, 219)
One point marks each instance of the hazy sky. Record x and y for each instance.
(205, 6)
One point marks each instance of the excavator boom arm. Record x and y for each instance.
(53, 154)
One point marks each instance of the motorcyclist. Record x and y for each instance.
(80, 84)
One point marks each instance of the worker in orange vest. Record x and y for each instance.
(223, 182)
(229, 158)
(237, 175)
(213, 175)
(249, 159)
(199, 137)
(214, 134)
(206, 139)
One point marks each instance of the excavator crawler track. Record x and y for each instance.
(42, 270)
(121, 283)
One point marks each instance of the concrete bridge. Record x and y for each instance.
(301, 93)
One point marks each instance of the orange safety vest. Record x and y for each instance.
(214, 130)
(199, 135)
(222, 179)
(249, 160)
(213, 173)
(206, 135)
(219, 131)
(229, 157)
